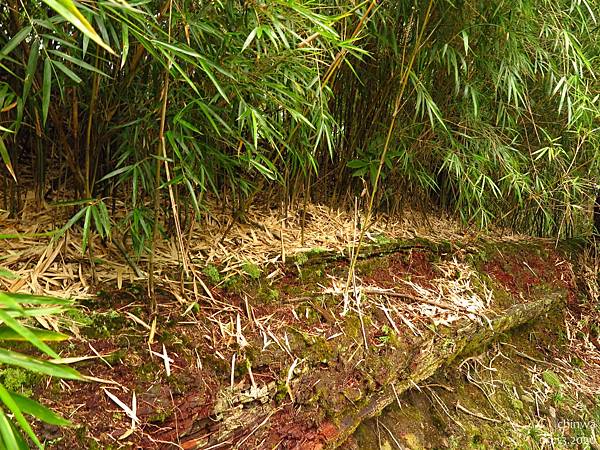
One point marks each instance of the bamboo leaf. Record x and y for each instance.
(8, 334)
(12, 298)
(7, 432)
(8, 274)
(15, 41)
(68, 72)
(68, 10)
(77, 62)
(125, 44)
(39, 411)
(6, 398)
(249, 39)
(11, 358)
(31, 67)
(86, 228)
(119, 171)
(26, 333)
(6, 158)
(46, 89)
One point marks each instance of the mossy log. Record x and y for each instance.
(371, 250)
(336, 381)
(468, 340)
(320, 424)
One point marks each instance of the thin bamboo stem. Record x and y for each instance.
(403, 84)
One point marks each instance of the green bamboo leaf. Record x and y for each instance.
(39, 411)
(7, 432)
(116, 172)
(68, 10)
(22, 445)
(211, 115)
(84, 45)
(178, 49)
(31, 67)
(6, 158)
(77, 62)
(6, 398)
(182, 73)
(46, 89)
(104, 217)
(97, 222)
(26, 333)
(68, 72)
(11, 358)
(83, 201)
(86, 227)
(10, 298)
(27, 235)
(37, 312)
(8, 334)
(15, 41)
(72, 221)
(125, 44)
(210, 75)
(249, 39)
(8, 274)
(465, 38)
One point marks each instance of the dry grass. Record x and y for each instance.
(43, 266)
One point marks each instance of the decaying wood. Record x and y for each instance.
(434, 352)
(470, 339)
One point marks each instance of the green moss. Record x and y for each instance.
(18, 380)
(386, 335)
(551, 379)
(99, 324)
(510, 400)
(148, 371)
(116, 357)
(273, 294)
(80, 317)
(517, 404)
(212, 273)
(311, 275)
(104, 325)
(282, 392)
(160, 415)
(252, 270)
(367, 267)
(316, 251)
(382, 239)
(233, 283)
(82, 437)
(267, 294)
(301, 259)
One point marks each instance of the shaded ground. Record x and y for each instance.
(536, 388)
(278, 351)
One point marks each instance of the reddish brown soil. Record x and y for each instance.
(520, 272)
(413, 265)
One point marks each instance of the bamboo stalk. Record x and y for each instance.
(403, 83)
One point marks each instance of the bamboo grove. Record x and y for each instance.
(486, 110)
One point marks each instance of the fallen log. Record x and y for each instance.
(332, 385)
(262, 425)
(471, 339)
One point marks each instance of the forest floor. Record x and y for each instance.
(252, 352)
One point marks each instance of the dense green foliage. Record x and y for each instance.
(485, 109)
(15, 311)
